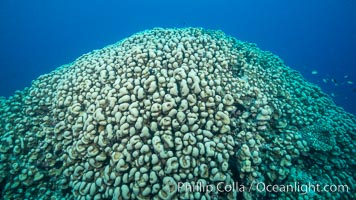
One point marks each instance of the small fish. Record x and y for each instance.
(346, 76)
(350, 82)
(325, 80)
(333, 80)
(332, 94)
(314, 72)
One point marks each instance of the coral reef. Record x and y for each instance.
(168, 106)
(319, 136)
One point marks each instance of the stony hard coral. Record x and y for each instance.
(167, 108)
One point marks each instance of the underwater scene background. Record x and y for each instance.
(177, 100)
(38, 36)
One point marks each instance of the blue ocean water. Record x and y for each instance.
(38, 36)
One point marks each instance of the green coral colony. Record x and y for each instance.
(170, 106)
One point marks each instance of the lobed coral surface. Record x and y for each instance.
(169, 106)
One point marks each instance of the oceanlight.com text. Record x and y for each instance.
(297, 187)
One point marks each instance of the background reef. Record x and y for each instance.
(163, 106)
